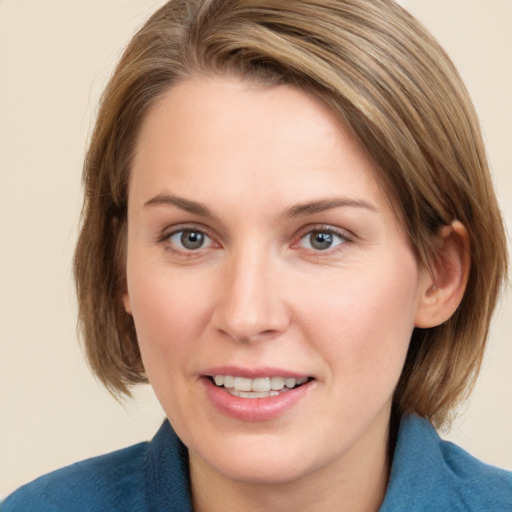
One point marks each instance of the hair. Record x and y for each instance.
(387, 79)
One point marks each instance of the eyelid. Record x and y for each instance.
(342, 232)
(165, 236)
(345, 235)
(176, 228)
(206, 240)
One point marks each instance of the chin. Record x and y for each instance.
(274, 471)
(265, 459)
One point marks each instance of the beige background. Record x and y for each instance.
(55, 57)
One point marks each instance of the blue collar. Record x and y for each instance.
(427, 475)
(432, 475)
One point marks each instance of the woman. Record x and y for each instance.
(289, 230)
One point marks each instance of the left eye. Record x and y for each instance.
(190, 239)
(321, 239)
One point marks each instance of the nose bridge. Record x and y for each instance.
(250, 305)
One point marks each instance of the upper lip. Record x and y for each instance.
(253, 373)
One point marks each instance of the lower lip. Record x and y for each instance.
(254, 409)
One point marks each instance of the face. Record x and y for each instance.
(273, 291)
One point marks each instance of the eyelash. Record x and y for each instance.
(343, 237)
(165, 239)
(309, 231)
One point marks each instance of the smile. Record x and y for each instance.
(230, 390)
(262, 387)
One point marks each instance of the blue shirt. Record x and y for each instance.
(427, 475)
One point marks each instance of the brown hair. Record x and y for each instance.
(376, 67)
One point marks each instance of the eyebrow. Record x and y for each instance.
(310, 208)
(298, 210)
(180, 202)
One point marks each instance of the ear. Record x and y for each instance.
(445, 282)
(127, 303)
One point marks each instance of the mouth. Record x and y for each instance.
(256, 394)
(261, 387)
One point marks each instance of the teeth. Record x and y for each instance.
(262, 384)
(290, 383)
(252, 394)
(229, 382)
(277, 383)
(261, 387)
(243, 384)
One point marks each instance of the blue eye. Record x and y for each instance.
(322, 239)
(189, 239)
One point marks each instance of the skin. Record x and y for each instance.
(257, 293)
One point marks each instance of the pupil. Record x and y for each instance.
(192, 239)
(321, 241)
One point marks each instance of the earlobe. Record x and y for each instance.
(446, 282)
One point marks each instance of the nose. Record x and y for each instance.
(250, 305)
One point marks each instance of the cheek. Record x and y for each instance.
(168, 316)
(363, 323)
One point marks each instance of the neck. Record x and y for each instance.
(356, 483)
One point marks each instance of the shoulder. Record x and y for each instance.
(140, 478)
(108, 482)
(431, 474)
(484, 486)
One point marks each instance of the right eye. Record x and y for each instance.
(189, 240)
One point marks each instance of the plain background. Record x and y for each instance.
(55, 57)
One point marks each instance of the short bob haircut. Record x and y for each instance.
(385, 77)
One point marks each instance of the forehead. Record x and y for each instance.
(231, 136)
(212, 107)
